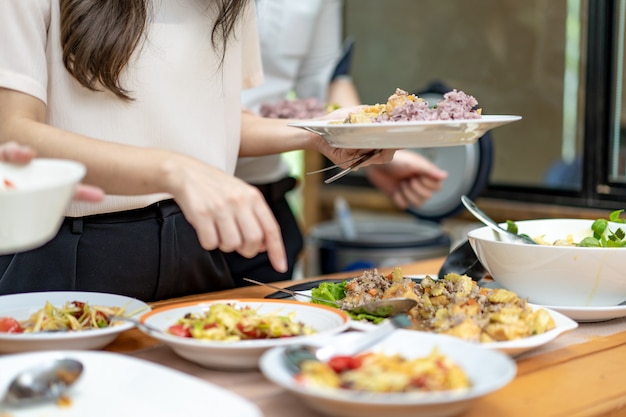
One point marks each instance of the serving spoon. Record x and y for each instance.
(45, 382)
(462, 260)
(137, 323)
(488, 221)
(380, 308)
(295, 355)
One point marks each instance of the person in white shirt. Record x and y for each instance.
(301, 47)
(146, 94)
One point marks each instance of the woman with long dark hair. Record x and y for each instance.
(147, 95)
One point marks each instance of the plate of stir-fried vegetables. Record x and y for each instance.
(63, 320)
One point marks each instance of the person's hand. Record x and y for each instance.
(340, 155)
(15, 153)
(409, 179)
(226, 212)
(18, 154)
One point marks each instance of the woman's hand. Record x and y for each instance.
(227, 213)
(339, 155)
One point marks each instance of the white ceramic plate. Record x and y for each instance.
(119, 385)
(516, 347)
(21, 306)
(488, 371)
(400, 135)
(591, 314)
(243, 354)
(511, 347)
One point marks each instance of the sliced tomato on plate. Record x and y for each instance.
(179, 330)
(341, 364)
(10, 325)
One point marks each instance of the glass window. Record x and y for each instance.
(546, 60)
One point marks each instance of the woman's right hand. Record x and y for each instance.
(227, 213)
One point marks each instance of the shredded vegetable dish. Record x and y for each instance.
(379, 372)
(72, 316)
(227, 322)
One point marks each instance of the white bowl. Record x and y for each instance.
(487, 370)
(32, 212)
(22, 306)
(555, 275)
(243, 354)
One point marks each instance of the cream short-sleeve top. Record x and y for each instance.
(183, 99)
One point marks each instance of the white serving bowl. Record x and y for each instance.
(32, 212)
(488, 371)
(555, 275)
(243, 354)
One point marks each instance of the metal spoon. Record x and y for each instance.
(295, 355)
(137, 323)
(380, 308)
(45, 382)
(480, 215)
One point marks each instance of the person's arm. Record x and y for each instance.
(262, 136)
(227, 213)
(343, 93)
(18, 154)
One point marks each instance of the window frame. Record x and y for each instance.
(599, 115)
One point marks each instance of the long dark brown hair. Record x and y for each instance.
(99, 37)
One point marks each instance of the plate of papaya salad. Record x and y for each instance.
(55, 320)
(233, 333)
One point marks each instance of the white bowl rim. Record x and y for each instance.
(76, 171)
(472, 235)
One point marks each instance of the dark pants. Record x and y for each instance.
(259, 267)
(150, 254)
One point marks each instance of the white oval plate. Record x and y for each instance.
(511, 347)
(487, 370)
(21, 306)
(243, 354)
(119, 385)
(400, 135)
(515, 347)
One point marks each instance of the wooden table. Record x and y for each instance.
(585, 378)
